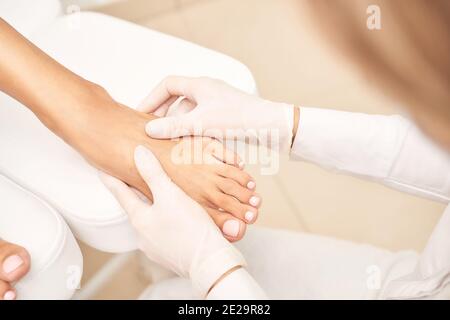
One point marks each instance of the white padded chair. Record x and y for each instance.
(56, 260)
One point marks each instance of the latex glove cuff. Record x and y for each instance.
(276, 124)
(205, 273)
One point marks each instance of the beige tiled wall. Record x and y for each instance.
(276, 40)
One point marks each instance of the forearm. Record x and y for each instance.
(387, 149)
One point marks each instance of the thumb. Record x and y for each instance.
(170, 127)
(153, 174)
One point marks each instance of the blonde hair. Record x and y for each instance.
(408, 57)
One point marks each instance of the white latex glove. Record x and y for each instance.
(174, 231)
(218, 110)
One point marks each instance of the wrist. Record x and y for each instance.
(286, 119)
(206, 273)
(226, 274)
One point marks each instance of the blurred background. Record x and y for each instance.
(279, 44)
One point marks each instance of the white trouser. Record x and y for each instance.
(296, 265)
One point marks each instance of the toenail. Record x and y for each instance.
(9, 295)
(242, 164)
(231, 228)
(12, 263)
(249, 216)
(251, 185)
(254, 201)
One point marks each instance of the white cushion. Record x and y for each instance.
(126, 59)
(56, 260)
(29, 16)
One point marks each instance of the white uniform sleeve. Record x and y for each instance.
(238, 285)
(388, 149)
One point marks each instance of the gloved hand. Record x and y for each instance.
(174, 231)
(218, 110)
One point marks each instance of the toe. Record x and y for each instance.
(232, 228)
(255, 201)
(240, 176)
(231, 205)
(6, 291)
(242, 208)
(14, 261)
(232, 188)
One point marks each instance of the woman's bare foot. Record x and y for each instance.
(107, 134)
(14, 264)
(220, 187)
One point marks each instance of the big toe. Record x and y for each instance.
(232, 229)
(14, 261)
